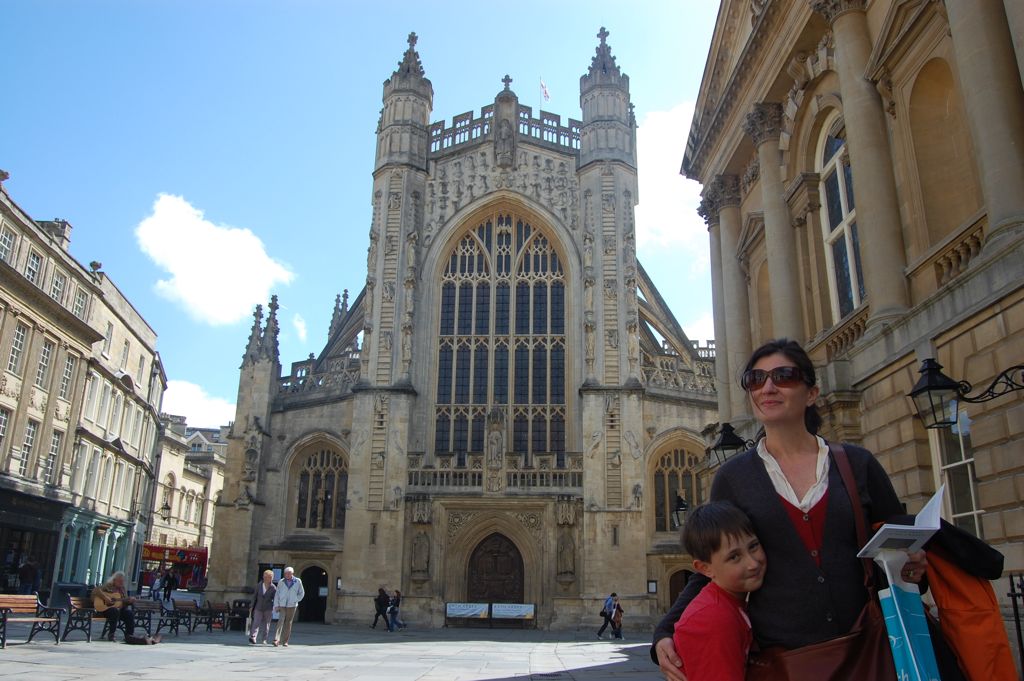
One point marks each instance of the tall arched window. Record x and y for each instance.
(675, 474)
(502, 340)
(839, 219)
(322, 489)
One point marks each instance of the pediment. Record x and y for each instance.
(904, 22)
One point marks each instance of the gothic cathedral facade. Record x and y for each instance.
(507, 411)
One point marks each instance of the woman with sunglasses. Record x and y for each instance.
(792, 490)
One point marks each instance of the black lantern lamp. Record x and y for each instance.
(727, 443)
(679, 512)
(936, 395)
(165, 511)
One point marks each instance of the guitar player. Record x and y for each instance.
(112, 601)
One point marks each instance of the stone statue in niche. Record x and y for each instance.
(389, 291)
(566, 554)
(595, 443)
(420, 553)
(249, 465)
(385, 341)
(634, 446)
(589, 341)
(394, 201)
(588, 294)
(503, 146)
(633, 348)
(495, 449)
(608, 202)
(612, 336)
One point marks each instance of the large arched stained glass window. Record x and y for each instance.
(322, 488)
(502, 340)
(676, 474)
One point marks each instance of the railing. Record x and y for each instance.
(843, 336)
(668, 372)
(341, 374)
(458, 478)
(466, 130)
(461, 472)
(551, 480)
(950, 258)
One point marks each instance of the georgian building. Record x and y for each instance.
(863, 172)
(507, 410)
(77, 415)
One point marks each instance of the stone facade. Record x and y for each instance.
(507, 409)
(79, 396)
(863, 171)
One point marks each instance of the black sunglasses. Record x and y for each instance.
(782, 377)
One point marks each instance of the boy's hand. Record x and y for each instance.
(668, 661)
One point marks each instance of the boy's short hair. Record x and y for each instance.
(707, 524)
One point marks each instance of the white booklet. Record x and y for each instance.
(909, 538)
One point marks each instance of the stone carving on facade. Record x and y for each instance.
(406, 346)
(420, 563)
(244, 498)
(566, 555)
(385, 341)
(764, 122)
(831, 9)
(422, 511)
(533, 522)
(638, 496)
(612, 338)
(394, 200)
(634, 446)
(389, 244)
(633, 348)
(494, 480)
(396, 497)
(388, 294)
(615, 459)
(377, 460)
(608, 202)
(457, 520)
(611, 289)
(588, 295)
(503, 147)
(751, 174)
(495, 448)
(595, 443)
(565, 510)
(411, 250)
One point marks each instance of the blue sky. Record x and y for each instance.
(211, 153)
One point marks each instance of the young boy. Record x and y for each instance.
(713, 635)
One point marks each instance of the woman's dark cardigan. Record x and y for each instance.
(799, 602)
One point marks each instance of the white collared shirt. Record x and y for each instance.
(781, 483)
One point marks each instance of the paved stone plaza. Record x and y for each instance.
(337, 653)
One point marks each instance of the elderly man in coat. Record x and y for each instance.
(286, 601)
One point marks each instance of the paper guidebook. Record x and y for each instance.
(908, 538)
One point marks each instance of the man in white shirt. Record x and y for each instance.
(289, 593)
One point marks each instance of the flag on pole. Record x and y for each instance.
(544, 90)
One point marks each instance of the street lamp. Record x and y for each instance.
(727, 443)
(679, 511)
(936, 395)
(165, 511)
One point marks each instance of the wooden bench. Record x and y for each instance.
(187, 612)
(146, 611)
(239, 613)
(216, 614)
(27, 608)
(80, 614)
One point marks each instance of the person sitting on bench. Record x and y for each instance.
(112, 601)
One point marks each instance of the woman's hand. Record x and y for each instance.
(668, 660)
(914, 569)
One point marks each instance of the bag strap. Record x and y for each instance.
(843, 464)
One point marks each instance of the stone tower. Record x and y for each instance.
(507, 409)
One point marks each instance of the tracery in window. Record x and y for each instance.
(502, 340)
(322, 490)
(839, 220)
(674, 475)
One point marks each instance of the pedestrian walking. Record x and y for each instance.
(286, 602)
(607, 612)
(394, 611)
(263, 608)
(380, 606)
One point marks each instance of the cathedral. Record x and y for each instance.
(507, 412)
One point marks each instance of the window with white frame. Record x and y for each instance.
(839, 219)
(43, 369)
(57, 286)
(17, 349)
(117, 494)
(101, 413)
(129, 417)
(33, 266)
(957, 468)
(104, 491)
(137, 428)
(5, 418)
(114, 425)
(197, 517)
(27, 445)
(108, 338)
(49, 467)
(141, 369)
(81, 302)
(124, 355)
(91, 477)
(67, 378)
(91, 388)
(6, 245)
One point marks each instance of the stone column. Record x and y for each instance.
(764, 125)
(734, 284)
(878, 214)
(709, 211)
(994, 101)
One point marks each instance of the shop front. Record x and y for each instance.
(29, 533)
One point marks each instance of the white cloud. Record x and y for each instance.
(202, 410)
(701, 329)
(300, 326)
(666, 216)
(217, 272)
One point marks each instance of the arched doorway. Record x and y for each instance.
(495, 573)
(313, 606)
(676, 583)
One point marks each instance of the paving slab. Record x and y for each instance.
(337, 653)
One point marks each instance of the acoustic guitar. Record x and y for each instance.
(100, 600)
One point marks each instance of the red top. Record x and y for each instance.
(713, 636)
(810, 526)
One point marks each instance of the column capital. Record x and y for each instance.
(708, 209)
(832, 9)
(764, 122)
(725, 190)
